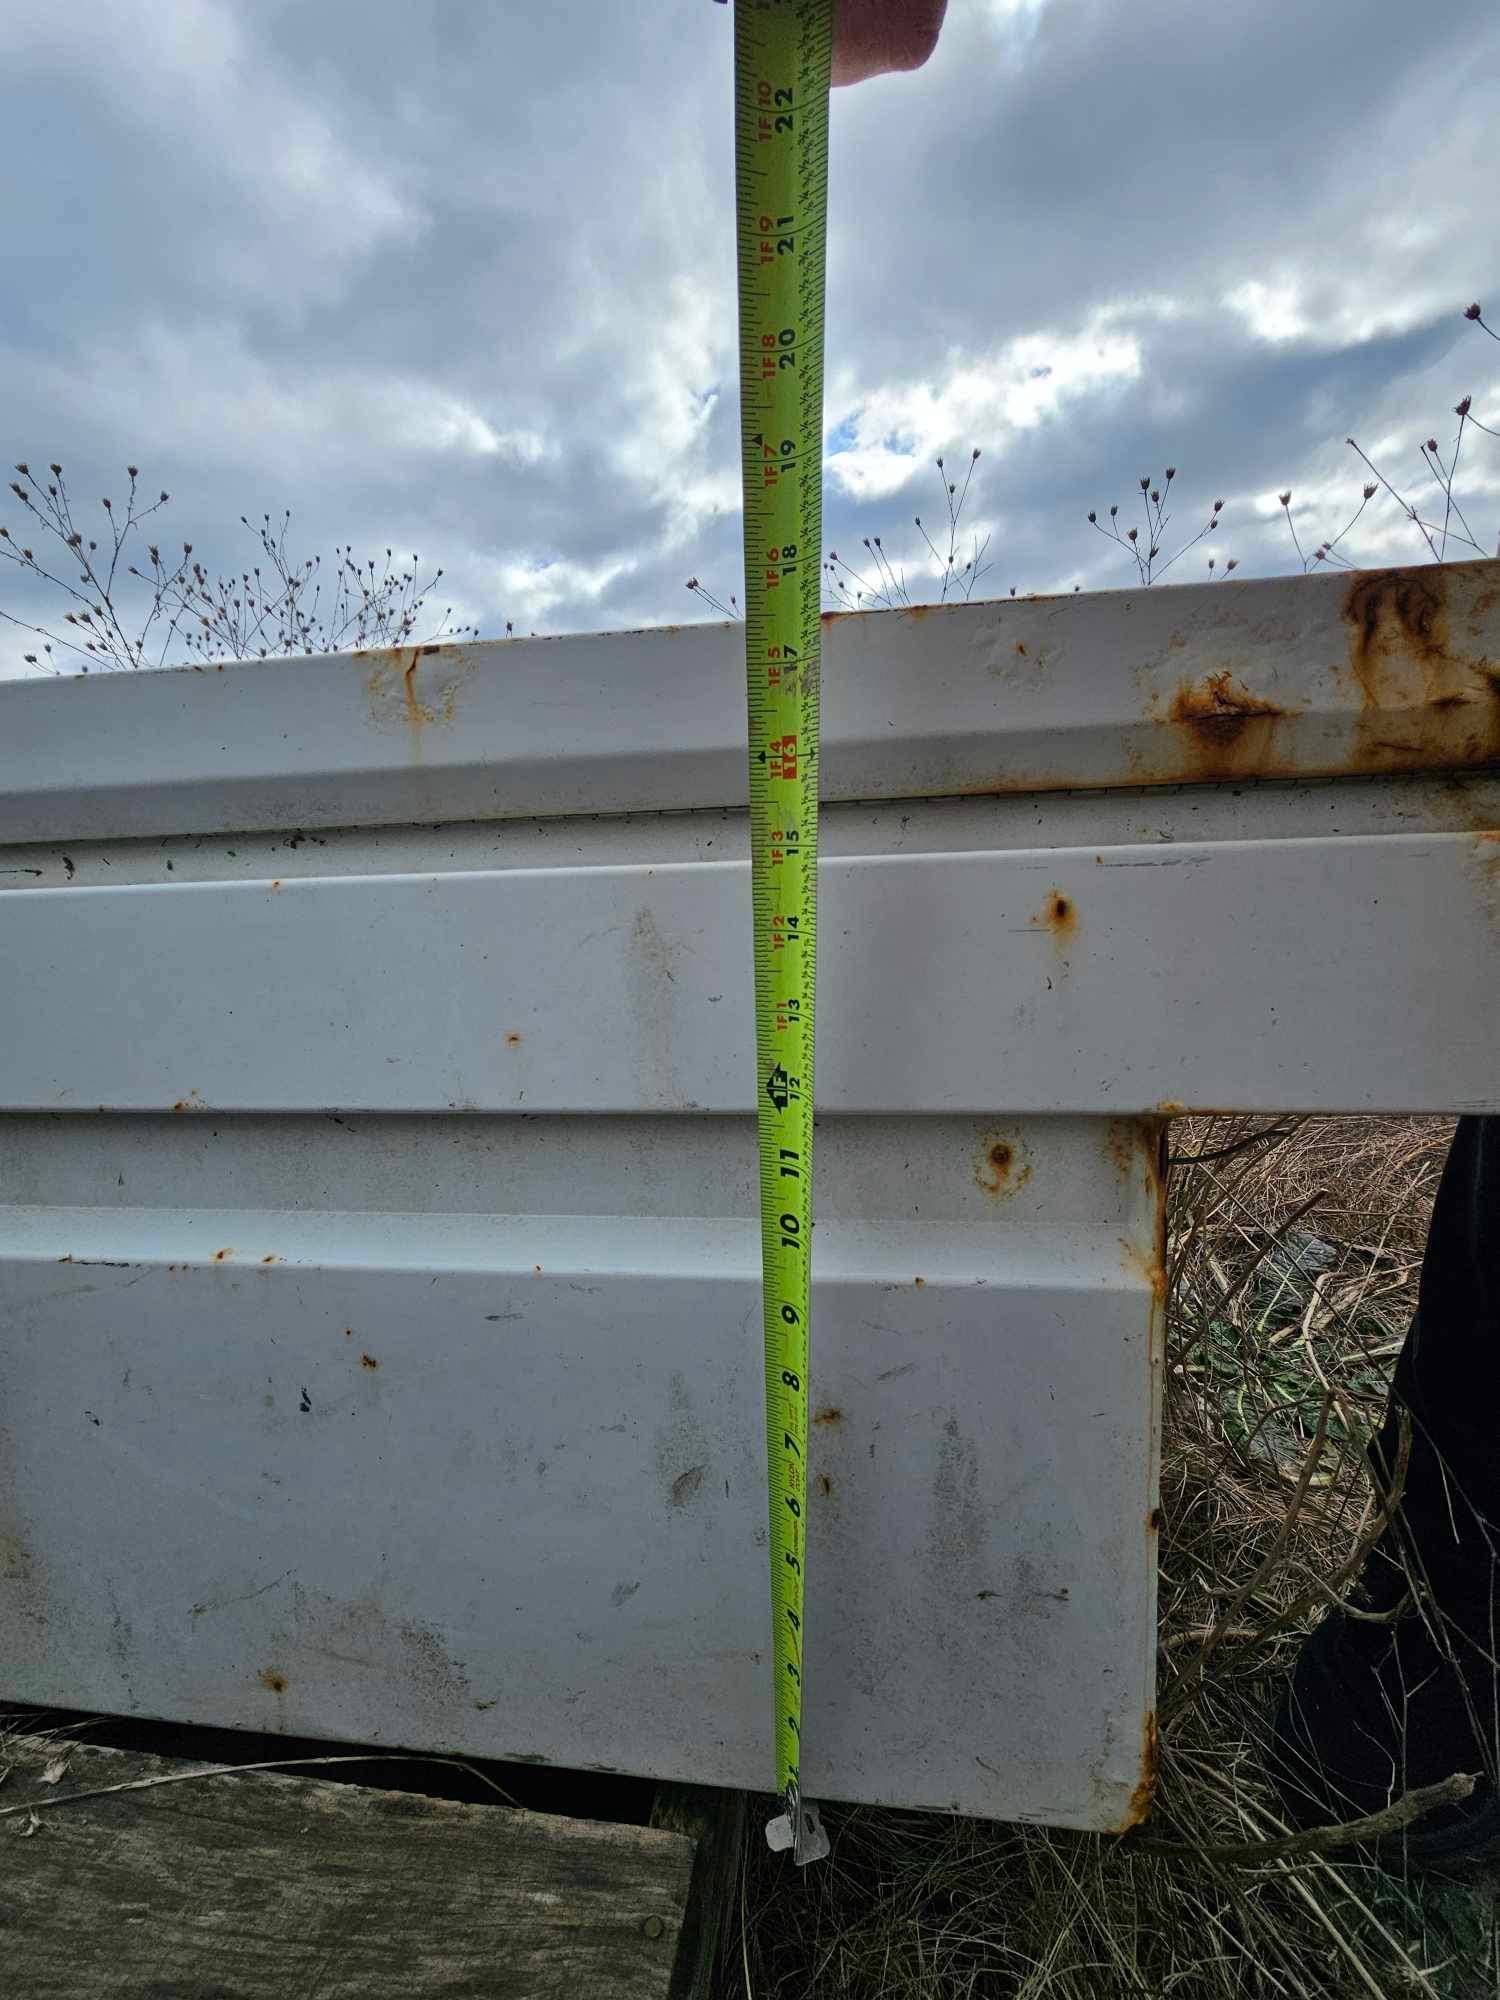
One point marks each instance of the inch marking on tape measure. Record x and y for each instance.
(782, 54)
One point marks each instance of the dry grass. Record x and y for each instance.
(1279, 1351)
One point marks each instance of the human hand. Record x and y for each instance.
(874, 37)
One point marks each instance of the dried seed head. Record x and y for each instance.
(1285, 498)
(1432, 444)
(1146, 483)
(1233, 563)
(1112, 512)
(1133, 533)
(1462, 409)
(23, 468)
(134, 471)
(55, 470)
(1171, 473)
(1475, 311)
(1156, 495)
(1217, 505)
(1093, 516)
(1369, 492)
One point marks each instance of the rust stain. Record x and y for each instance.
(1059, 915)
(1403, 663)
(220, 1255)
(513, 1039)
(398, 700)
(270, 1258)
(919, 1281)
(1154, 1520)
(272, 1678)
(1139, 1807)
(1138, 1144)
(1222, 730)
(368, 1361)
(998, 1169)
(1415, 653)
(829, 1415)
(825, 1485)
(1148, 1265)
(192, 1102)
(1021, 648)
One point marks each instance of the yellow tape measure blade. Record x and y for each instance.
(782, 58)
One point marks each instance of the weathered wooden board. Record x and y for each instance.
(264, 1887)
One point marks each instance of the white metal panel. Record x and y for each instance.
(1387, 671)
(498, 1483)
(1075, 980)
(410, 1390)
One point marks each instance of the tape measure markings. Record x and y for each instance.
(782, 59)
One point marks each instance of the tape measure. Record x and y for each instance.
(781, 71)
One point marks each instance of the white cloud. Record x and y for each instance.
(884, 438)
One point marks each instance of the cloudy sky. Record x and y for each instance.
(458, 277)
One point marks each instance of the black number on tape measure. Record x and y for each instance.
(790, 1380)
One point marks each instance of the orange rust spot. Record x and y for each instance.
(829, 1415)
(1139, 1807)
(1154, 1520)
(348, 1333)
(368, 1361)
(220, 1255)
(919, 1281)
(825, 1484)
(1169, 1108)
(513, 1039)
(1021, 648)
(270, 1258)
(996, 1171)
(192, 1102)
(1059, 914)
(272, 1678)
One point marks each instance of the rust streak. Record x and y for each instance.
(1139, 1807)
(273, 1679)
(1148, 1265)
(220, 1255)
(829, 1415)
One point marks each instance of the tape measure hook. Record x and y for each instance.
(808, 1843)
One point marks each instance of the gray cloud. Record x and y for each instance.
(460, 279)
